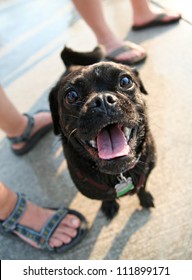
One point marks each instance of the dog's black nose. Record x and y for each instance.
(103, 101)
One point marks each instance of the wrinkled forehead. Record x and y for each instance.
(98, 72)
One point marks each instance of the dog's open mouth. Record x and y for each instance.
(111, 142)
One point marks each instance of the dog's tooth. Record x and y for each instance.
(127, 132)
(93, 144)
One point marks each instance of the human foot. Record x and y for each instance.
(36, 217)
(152, 19)
(35, 128)
(45, 228)
(126, 52)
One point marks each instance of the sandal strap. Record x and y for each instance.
(11, 222)
(120, 50)
(42, 238)
(26, 134)
(160, 16)
(50, 227)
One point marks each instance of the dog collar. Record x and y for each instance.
(124, 185)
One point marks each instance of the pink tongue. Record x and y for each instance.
(111, 142)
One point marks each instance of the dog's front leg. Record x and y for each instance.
(146, 199)
(110, 208)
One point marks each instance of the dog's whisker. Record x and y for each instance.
(71, 133)
(68, 115)
(80, 103)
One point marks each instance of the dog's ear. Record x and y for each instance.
(53, 103)
(73, 58)
(141, 86)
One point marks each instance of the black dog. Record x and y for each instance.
(100, 113)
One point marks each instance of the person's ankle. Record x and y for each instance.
(20, 128)
(8, 206)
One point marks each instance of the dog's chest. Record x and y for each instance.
(93, 185)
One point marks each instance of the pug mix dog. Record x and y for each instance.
(100, 113)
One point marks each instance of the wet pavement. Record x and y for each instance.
(32, 35)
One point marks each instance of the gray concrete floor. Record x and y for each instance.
(31, 38)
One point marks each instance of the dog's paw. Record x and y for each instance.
(110, 208)
(146, 199)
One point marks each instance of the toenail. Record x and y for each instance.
(75, 222)
(68, 239)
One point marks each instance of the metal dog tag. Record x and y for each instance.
(124, 185)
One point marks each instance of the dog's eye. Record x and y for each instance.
(125, 82)
(71, 97)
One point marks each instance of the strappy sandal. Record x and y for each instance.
(30, 141)
(11, 225)
(127, 46)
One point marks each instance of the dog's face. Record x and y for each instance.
(100, 110)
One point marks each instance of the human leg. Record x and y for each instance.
(14, 123)
(144, 15)
(93, 14)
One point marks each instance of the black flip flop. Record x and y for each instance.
(30, 141)
(158, 21)
(127, 46)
